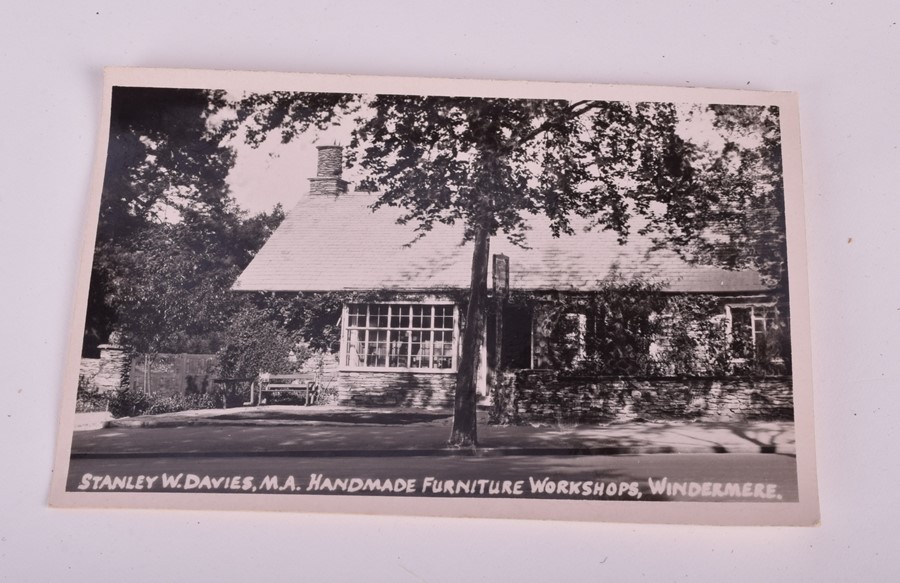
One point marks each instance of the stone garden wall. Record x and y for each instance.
(546, 396)
(395, 389)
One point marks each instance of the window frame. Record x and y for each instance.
(729, 318)
(345, 366)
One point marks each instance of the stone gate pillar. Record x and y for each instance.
(113, 364)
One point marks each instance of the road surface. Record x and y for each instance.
(126, 460)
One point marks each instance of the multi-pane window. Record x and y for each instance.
(399, 336)
(751, 328)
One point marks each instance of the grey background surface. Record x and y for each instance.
(842, 57)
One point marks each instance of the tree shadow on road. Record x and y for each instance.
(373, 417)
(714, 437)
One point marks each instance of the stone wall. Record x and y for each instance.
(395, 389)
(545, 396)
(106, 373)
(88, 370)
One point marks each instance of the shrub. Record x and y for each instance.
(134, 402)
(609, 332)
(229, 394)
(129, 403)
(173, 403)
(89, 398)
(254, 343)
(327, 394)
(322, 363)
(693, 339)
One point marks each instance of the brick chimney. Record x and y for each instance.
(328, 173)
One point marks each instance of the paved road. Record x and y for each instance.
(706, 477)
(295, 432)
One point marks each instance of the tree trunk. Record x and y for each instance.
(465, 429)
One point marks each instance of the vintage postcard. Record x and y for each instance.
(442, 297)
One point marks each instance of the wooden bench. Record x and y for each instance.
(307, 383)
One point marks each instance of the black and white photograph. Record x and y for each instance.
(435, 297)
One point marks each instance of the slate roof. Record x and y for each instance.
(339, 243)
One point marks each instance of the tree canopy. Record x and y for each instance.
(489, 163)
(744, 225)
(171, 239)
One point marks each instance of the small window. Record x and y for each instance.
(568, 339)
(754, 331)
(401, 336)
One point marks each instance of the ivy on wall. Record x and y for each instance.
(634, 328)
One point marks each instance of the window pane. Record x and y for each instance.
(400, 335)
(443, 362)
(421, 316)
(356, 316)
(764, 325)
(443, 350)
(376, 350)
(439, 344)
(425, 352)
(741, 331)
(356, 342)
(420, 349)
(399, 349)
(443, 317)
(378, 316)
(415, 347)
(395, 317)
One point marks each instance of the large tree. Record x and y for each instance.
(490, 163)
(745, 226)
(170, 239)
(168, 284)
